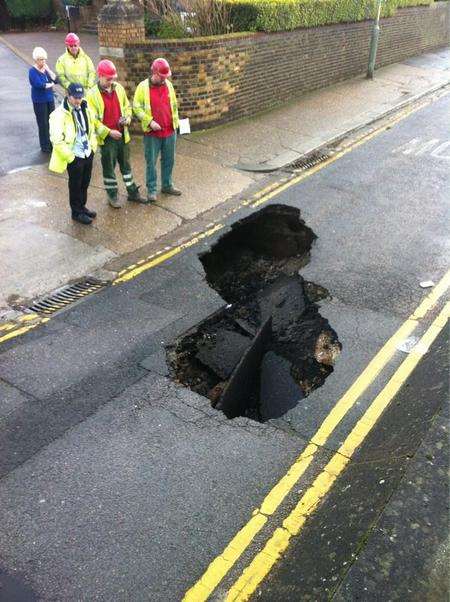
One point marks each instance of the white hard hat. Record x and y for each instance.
(39, 53)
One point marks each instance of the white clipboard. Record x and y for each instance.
(185, 126)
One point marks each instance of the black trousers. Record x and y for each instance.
(79, 177)
(42, 111)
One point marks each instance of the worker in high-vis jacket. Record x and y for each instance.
(155, 105)
(74, 140)
(112, 111)
(75, 66)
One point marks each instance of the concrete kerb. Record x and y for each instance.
(271, 166)
(16, 51)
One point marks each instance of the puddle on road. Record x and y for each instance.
(270, 347)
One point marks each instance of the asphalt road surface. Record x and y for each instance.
(119, 484)
(19, 122)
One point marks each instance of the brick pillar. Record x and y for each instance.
(120, 22)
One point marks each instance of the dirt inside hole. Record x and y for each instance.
(269, 347)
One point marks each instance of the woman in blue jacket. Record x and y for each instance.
(42, 81)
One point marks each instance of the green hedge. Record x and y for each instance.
(284, 15)
(29, 9)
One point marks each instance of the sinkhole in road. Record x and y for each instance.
(269, 347)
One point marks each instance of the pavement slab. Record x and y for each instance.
(21, 120)
(204, 183)
(43, 251)
(52, 41)
(42, 199)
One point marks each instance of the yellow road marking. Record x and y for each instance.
(263, 562)
(22, 330)
(28, 318)
(217, 570)
(24, 318)
(129, 275)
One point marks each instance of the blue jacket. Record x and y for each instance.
(39, 93)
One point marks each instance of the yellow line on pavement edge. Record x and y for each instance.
(263, 562)
(129, 275)
(221, 565)
(22, 330)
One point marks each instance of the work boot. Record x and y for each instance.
(115, 202)
(89, 213)
(171, 190)
(135, 197)
(82, 218)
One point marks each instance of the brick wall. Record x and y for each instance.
(224, 78)
(120, 33)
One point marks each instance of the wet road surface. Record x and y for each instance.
(117, 483)
(19, 143)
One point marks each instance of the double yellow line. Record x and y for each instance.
(263, 562)
(23, 325)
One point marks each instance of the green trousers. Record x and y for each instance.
(152, 147)
(113, 152)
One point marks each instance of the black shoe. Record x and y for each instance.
(89, 213)
(83, 218)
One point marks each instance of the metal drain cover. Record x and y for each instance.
(311, 160)
(65, 296)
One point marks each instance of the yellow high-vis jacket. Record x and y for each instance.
(75, 70)
(97, 106)
(142, 108)
(63, 134)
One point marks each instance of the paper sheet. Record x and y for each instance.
(185, 126)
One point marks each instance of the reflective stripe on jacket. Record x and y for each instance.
(142, 108)
(75, 70)
(95, 102)
(63, 134)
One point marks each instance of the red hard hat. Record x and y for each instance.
(161, 67)
(106, 68)
(72, 39)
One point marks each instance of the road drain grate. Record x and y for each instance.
(65, 296)
(311, 160)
